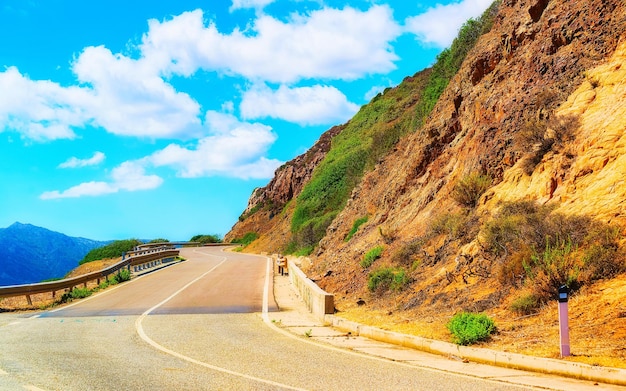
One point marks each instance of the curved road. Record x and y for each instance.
(196, 325)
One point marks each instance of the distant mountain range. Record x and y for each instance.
(31, 254)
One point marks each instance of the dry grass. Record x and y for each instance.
(46, 300)
(597, 316)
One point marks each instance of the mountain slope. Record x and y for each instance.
(512, 186)
(31, 254)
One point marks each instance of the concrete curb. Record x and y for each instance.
(320, 306)
(580, 371)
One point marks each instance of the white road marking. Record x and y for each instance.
(33, 388)
(3, 373)
(142, 334)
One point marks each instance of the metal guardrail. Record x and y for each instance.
(132, 258)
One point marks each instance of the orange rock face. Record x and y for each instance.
(557, 68)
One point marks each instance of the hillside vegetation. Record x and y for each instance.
(480, 185)
(371, 134)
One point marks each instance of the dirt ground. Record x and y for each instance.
(597, 320)
(46, 300)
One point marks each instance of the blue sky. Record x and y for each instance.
(150, 119)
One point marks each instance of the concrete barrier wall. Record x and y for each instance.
(317, 301)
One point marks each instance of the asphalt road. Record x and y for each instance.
(196, 325)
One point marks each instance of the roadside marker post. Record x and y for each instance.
(564, 320)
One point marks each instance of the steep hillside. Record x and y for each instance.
(31, 254)
(264, 214)
(512, 186)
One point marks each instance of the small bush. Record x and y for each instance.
(387, 278)
(248, 238)
(450, 224)
(468, 190)
(205, 239)
(468, 328)
(303, 252)
(553, 267)
(122, 275)
(525, 305)
(408, 253)
(355, 227)
(76, 293)
(539, 136)
(111, 250)
(371, 256)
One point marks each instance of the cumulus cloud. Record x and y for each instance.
(74, 162)
(234, 149)
(258, 4)
(328, 43)
(314, 105)
(124, 96)
(129, 176)
(133, 96)
(128, 97)
(439, 25)
(40, 110)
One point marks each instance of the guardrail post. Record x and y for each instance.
(30, 302)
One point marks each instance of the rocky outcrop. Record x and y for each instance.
(538, 106)
(289, 179)
(536, 56)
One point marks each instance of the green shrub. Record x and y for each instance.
(371, 256)
(468, 190)
(468, 328)
(372, 133)
(303, 252)
(122, 275)
(205, 239)
(247, 238)
(387, 278)
(76, 293)
(252, 211)
(112, 250)
(533, 244)
(450, 224)
(449, 60)
(554, 266)
(525, 305)
(355, 227)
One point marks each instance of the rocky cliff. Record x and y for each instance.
(512, 184)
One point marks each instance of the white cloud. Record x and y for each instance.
(128, 97)
(124, 96)
(439, 25)
(328, 43)
(241, 4)
(233, 149)
(133, 97)
(314, 105)
(40, 110)
(84, 189)
(74, 162)
(129, 176)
